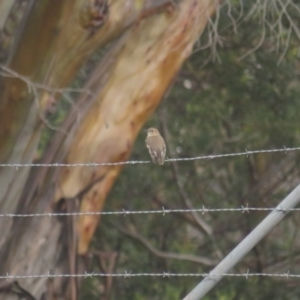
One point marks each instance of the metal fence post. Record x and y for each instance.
(245, 246)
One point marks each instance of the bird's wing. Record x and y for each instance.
(164, 151)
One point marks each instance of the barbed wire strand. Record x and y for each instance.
(126, 274)
(163, 211)
(208, 157)
(243, 248)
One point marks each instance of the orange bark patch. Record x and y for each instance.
(130, 81)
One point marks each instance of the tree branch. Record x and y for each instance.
(168, 255)
(202, 224)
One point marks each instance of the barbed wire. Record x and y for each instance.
(208, 157)
(126, 274)
(162, 211)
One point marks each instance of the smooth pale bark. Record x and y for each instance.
(127, 87)
(57, 39)
(5, 7)
(58, 36)
(150, 55)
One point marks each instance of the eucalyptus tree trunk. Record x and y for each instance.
(149, 42)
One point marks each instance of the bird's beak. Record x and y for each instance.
(146, 130)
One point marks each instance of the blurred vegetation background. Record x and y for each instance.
(220, 104)
(238, 90)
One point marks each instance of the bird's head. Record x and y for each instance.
(152, 131)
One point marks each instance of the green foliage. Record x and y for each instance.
(232, 105)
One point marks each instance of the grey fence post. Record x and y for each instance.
(245, 246)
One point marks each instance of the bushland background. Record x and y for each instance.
(80, 80)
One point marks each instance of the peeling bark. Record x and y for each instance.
(126, 87)
(52, 47)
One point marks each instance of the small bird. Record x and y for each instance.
(156, 146)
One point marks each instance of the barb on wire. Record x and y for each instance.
(129, 274)
(134, 162)
(163, 211)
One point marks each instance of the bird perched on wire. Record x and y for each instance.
(156, 146)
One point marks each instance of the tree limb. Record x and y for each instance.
(168, 255)
(202, 224)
